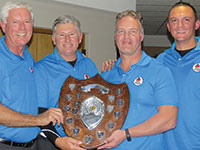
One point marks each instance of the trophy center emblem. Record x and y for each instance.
(92, 112)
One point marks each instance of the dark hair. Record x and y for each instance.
(184, 4)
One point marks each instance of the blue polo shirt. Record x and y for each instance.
(186, 74)
(17, 91)
(53, 70)
(150, 85)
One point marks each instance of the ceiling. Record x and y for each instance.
(155, 13)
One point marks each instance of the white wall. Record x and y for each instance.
(96, 23)
(109, 5)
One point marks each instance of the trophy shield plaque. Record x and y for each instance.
(93, 109)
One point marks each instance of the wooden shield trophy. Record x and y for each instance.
(93, 109)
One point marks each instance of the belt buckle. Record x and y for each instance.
(25, 144)
(28, 144)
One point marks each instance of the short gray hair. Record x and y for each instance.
(66, 19)
(131, 13)
(11, 5)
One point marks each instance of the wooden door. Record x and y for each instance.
(41, 44)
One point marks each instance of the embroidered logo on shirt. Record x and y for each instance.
(86, 76)
(138, 81)
(196, 67)
(31, 69)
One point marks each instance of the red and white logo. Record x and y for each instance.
(138, 81)
(196, 67)
(31, 69)
(86, 76)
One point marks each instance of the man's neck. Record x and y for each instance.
(183, 53)
(69, 58)
(186, 45)
(72, 62)
(16, 50)
(127, 61)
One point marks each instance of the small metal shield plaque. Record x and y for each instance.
(93, 109)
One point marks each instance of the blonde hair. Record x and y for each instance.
(131, 13)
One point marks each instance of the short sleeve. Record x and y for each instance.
(165, 89)
(42, 87)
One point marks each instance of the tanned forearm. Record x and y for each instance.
(164, 120)
(11, 118)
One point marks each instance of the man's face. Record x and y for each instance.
(18, 29)
(182, 24)
(67, 39)
(128, 37)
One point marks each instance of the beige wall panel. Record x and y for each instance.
(45, 45)
(1, 33)
(33, 46)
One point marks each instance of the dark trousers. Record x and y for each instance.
(41, 143)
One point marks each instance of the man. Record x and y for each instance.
(53, 70)
(183, 59)
(18, 101)
(153, 98)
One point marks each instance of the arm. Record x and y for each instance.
(53, 136)
(11, 118)
(164, 120)
(165, 98)
(49, 130)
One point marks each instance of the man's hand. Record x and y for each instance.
(51, 115)
(108, 65)
(68, 143)
(114, 140)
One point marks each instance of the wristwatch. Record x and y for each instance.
(128, 136)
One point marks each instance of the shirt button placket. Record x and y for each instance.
(123, 77)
